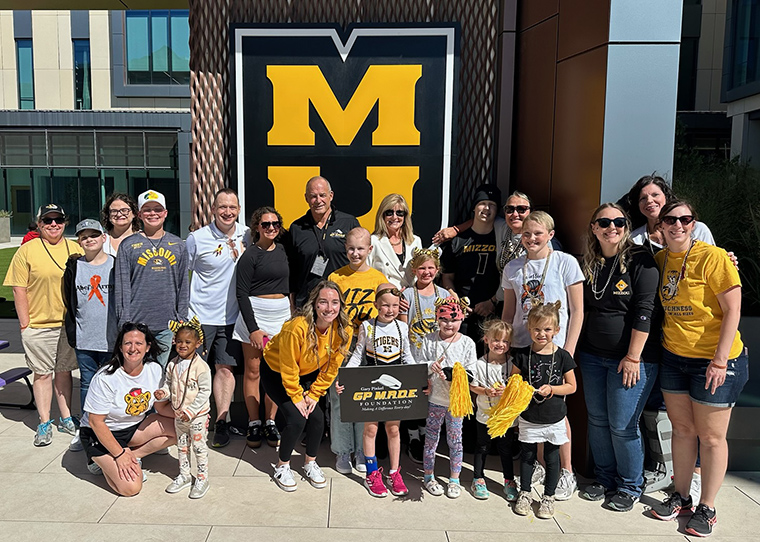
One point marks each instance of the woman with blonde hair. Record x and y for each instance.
(394, 241)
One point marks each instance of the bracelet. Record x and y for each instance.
(629, 358)
(552, 392)
(455, 229)
(712, 362)
(121, 454)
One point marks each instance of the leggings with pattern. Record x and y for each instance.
(192, 434)
(436, 415)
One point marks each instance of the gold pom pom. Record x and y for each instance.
(460, 401)
(513, 402)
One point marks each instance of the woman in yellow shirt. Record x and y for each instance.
(301, 363)
(704, 365)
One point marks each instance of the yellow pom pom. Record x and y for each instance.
(513, 402)
(460, 401)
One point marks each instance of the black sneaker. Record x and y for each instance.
(253, 438)
(272, 435)
(221, 435)
(702, 521)
(593, 492)
(672, 507)
(622, 502)
(414, 450)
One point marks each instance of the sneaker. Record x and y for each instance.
(68, 425)
(314, 475)
(221, 435)
(702, 521)
(539, 474)
(479, 489)
(433, 487)
(593, 492)
(524, 503)
(360, 462)
(566, 486)
(254, 437)
(453, 490)
(179, 483)
(695, 489)
(622, 501)
(374, 483)
(672, 507)
(200, 488)
(510, 490)
(396, 484)
(145, 474)
(94, 468)
(76, 443)
(271, 434)
(343, 463)
(44, 435)
(546, 508)
(283, 477)
(414, 450)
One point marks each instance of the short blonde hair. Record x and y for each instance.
(540, 217)
(495, 327)
(547, 311)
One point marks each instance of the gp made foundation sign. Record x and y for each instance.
(371, 109)
(379, 393)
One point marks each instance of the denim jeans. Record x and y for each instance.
(164, 340)
(613, 421)
(345, 437)
(89, 362)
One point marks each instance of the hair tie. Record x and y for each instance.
(193, 323)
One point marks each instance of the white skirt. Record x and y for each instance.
(271, 314)
(555, 433)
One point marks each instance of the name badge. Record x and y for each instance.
(319, 266)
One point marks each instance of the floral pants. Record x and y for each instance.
(436, 415)
(195, 433)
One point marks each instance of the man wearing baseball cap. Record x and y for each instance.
(151, 274)
(36, 273)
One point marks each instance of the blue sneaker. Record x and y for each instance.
(510, 490)
(68, 425)
(44, 435)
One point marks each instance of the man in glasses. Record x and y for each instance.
(151, 274)
(36, 275)
(212, 253)
(317, 241)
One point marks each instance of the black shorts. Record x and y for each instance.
(93, 447)
(221, 348)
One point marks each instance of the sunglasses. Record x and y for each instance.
(91, 236)
(266, 225)
(123, 212)
(398, 212)
(685, 220)
(605, 222)
(521, 209)
(57, 219)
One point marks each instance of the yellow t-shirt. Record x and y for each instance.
(358, 289)
(692, 312)
(290, 354)
(42, 276)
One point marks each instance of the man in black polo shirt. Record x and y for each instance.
(316, 241)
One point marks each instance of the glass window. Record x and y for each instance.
(161, 150)
(25, 65)
(71, 149)
(121, 150)
(158, 47)
(23, 149)
(138, 41)
(746, 43)
(180, 50)
(82, 81)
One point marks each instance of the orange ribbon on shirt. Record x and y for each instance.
(94, 283)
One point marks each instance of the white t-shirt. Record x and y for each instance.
(122, 398)
(563, 271)
(434, 348)
(701, 232)
(486, 375)
(391, 344)
(210, 258)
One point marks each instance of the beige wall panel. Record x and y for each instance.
(67, 89)
(101, 89)
(706, 41)
(65, 47)
(583, 25)
(45, 40)
(534, 11)
(7, 42)
(578, 144)
(100, 40)
(47, 90)
(534, 111)
(141, 103)
(8, 90)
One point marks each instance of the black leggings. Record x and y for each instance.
(295, 423)
(527, 464)
(503, 446)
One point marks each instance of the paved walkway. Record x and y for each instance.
(48, 493)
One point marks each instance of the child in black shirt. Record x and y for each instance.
(549, 369)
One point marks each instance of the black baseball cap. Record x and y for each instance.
(50, 208)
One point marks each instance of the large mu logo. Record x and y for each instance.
(371, 110)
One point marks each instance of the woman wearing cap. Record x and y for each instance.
(394, 241)
(36, 274)
(119, 216)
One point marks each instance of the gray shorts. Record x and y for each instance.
(221, 349)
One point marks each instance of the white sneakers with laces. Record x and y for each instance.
(283, 476)
(314, 475)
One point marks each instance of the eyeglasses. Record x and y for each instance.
(605, 222)
(685, 220)
(50, 219)
(398, 212)
(266, 225)
(521, 209)
(123, 212)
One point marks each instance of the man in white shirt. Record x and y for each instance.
(212, 254)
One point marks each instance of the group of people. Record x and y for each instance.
(651, 305)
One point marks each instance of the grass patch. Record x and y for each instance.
(7, 309)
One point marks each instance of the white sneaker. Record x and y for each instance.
(179, 483)
(314, 475)
(539, 474)
(566, 486)
(343, 463)
(433, 487)
(76, 443)
(359, 461)
(283, 476)
(145, 475)
(695, 490)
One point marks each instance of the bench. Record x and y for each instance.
(11, 375)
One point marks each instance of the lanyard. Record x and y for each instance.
(321, 242)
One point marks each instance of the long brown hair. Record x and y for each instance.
(592, 252)
(309, 313)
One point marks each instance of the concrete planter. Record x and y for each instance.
(5, 229)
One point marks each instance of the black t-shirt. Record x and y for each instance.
(629, 302)
(472, 258)
(260, 272)
(536, 369)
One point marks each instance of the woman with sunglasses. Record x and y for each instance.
(617, 357)
(262, 287)
(394, 241)
(119, 216)
(704, 363)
